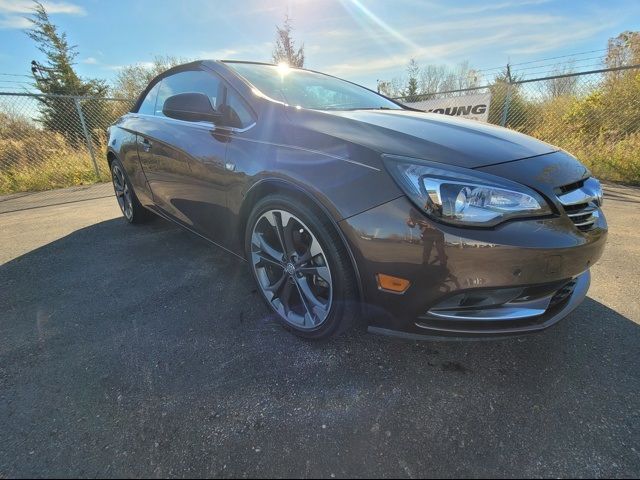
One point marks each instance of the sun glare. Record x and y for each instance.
(283, 69)
(362, 10)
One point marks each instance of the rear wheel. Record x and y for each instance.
(301, 267)
(131, 208)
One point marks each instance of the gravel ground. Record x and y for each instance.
(145, 351)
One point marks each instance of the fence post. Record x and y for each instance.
(85, 130)
(505, 107)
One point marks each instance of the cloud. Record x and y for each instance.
(381, 63)
(240, 52)
(544, 42)
(218, 54)
(451, 38)
(334, 40)
(12, 21)
(488, 6)
(524, 34)
(10, 11)
(115, 68)
(26, 6)
(489, 22)
(90, 61)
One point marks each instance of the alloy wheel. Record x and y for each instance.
(292, 269)
(123, 192)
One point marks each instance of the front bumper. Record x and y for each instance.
(549, 256)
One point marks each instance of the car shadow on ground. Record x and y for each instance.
(145, 351)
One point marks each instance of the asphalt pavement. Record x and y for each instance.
(145, 351)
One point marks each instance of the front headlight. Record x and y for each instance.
(462, 196)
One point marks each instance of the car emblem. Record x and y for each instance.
(290, 269)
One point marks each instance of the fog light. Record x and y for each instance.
(392, 284)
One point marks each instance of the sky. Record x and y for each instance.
(361, 40)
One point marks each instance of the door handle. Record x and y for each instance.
(146, 145)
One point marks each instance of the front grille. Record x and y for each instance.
(582, 215)
(570, 187)
(581, 202)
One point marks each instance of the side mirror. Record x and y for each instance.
(191, 107)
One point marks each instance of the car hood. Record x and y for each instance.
(429, 136)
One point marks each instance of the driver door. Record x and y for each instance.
(187, 161)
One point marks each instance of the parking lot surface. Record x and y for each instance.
(145, 351)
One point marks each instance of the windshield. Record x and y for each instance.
(310, 90)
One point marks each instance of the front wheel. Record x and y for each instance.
(301, 267)
(131, 208)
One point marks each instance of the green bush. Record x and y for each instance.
(601, 127)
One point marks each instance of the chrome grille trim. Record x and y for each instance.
(588, 221)
(580, 213)
(589, 192)
(582, 204)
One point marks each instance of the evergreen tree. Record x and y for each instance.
(507, 97)
(284, 51)
(412, 94)
(57, 76)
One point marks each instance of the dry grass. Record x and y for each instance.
(32, 159)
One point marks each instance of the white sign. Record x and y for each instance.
(475, 106)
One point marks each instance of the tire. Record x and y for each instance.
(301, 267)
(131, 208)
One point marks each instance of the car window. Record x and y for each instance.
(148, 105)
(308, 89)
(238, 113)
(193, 81)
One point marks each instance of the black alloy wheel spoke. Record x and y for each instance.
(285, 296)
(266, 250)
(277, 225)
(308, 310)
(268, 260)
(278, 285)
(308, 294)
(318, 271)
(288, 258)
(287, 235)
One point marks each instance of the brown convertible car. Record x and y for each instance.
(347, 205)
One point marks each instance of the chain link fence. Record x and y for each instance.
(50, 142)
(594, 115)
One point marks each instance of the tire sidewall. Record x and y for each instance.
(139, 214)
(311, 218)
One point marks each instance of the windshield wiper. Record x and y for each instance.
(343, 109)
(376, 108)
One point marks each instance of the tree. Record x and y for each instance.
(411, 93)
(428, 81)
(393, 88)
(623, 50)
(564, 86)
(284, 51)
(384, 87)
(466, 77)
(57, 76)
(431, 79)
(131, 80)
(508, 102)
